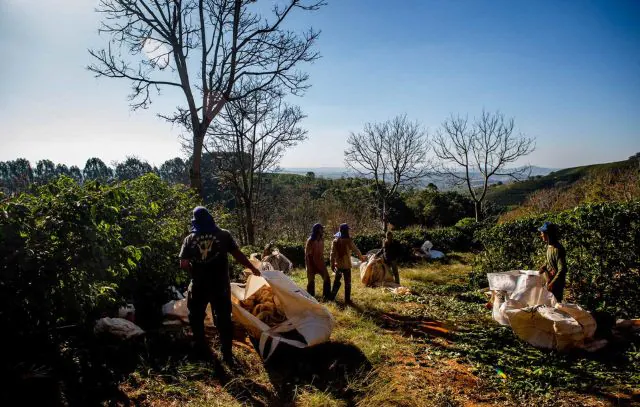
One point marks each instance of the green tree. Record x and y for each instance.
(174, 171)
(45, 171)
(20, 175)
(132, 168)
(96, 169)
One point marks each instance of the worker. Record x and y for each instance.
(390, 255)
(204, 256)
(314, 262)
(340, 258)
(555, 269)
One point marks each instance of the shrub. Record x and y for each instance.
(603, 247)
(69, 253)
(293, 251)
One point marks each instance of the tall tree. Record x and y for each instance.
(174, 171)
(132, 168)
(481, 150)
(20, 175)
(5, 178)
(45, 171)
(96, 169)
(393, 154)
(256, 130)
(211, 51)
(75, 173)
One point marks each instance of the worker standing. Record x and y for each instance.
(390, 255)
(314, 262)
(340, 258)
(204, 256)
(555, 269)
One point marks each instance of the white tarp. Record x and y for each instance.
(117, 327)
(304, 313)
(426, 250)
(522, 301)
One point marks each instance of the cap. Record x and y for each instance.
(545, 227)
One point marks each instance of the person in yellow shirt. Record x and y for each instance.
(340, 258)
(555, 268)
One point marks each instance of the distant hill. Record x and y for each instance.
(339, 172)
(515, 193)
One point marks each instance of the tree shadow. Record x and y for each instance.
(415, 326)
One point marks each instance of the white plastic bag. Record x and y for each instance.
(436, 254)
(584, 318)
(176, 309)
(117, 327)
(426, 246)
(305, 314)
(522, 300)
(355, 263)
(545, 327)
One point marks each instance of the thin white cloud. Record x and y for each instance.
(157, 52)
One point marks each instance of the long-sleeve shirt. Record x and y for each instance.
(341, 249)
(556, 263)
(314, 255)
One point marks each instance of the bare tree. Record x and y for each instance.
(211, 51)
(256, 130)
(485, 149)
(392, 154)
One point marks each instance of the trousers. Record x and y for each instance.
(347, 284)
(326, 282)
(202, 294)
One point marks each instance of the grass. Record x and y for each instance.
(437, 346)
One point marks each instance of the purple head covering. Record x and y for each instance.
(202, 221)
(315, 231)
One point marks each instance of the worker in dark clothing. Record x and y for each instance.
(390, 255)
(204, 256)
(314, 262)
(555, 269)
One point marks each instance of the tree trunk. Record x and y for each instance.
(478, 208)
(385, 224)
(194, 175)
(251, 233)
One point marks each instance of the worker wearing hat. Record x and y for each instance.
(555, 269)
(204, 256)
(314, 262)
(340, 258)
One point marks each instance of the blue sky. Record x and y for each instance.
(568, 71)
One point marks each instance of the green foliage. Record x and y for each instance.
(293, 251)
(515, 193)
(69, 252)
(433, 208)
(132, 168)
(466, 222)
(96, 169)
(448, 239)
(603, 247)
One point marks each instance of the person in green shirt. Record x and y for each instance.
(555, 268)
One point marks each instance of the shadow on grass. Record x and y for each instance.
(330, 367)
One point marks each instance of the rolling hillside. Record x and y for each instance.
(515, 193)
